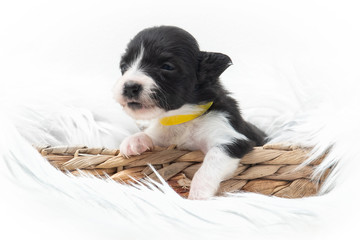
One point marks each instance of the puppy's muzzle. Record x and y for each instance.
(132, 90)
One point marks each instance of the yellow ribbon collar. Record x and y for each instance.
(178, 119)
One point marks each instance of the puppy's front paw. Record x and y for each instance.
(201, 188)
(136, 144)
(217, 166)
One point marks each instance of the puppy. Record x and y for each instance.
(167, 80)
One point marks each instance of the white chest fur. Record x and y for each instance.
(202, 133)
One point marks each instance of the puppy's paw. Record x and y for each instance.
(201, 189)
(217, 166)
(136, 144)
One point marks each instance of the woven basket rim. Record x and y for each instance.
(272, 169)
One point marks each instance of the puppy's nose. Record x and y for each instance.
(132, 89)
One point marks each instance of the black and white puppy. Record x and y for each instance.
(166, 79)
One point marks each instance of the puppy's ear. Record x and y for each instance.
(212, 65)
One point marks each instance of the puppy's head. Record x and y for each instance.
(163, 69)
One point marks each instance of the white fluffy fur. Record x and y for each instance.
(303, 68)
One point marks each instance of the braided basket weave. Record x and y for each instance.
(270, 170)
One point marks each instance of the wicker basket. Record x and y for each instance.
(271, 169)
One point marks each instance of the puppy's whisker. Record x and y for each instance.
(162, 99)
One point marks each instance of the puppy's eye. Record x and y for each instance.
(167, 67)
(123, 67)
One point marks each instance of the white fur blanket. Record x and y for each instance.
(295, 74)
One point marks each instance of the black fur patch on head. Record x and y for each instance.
(170, 58)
